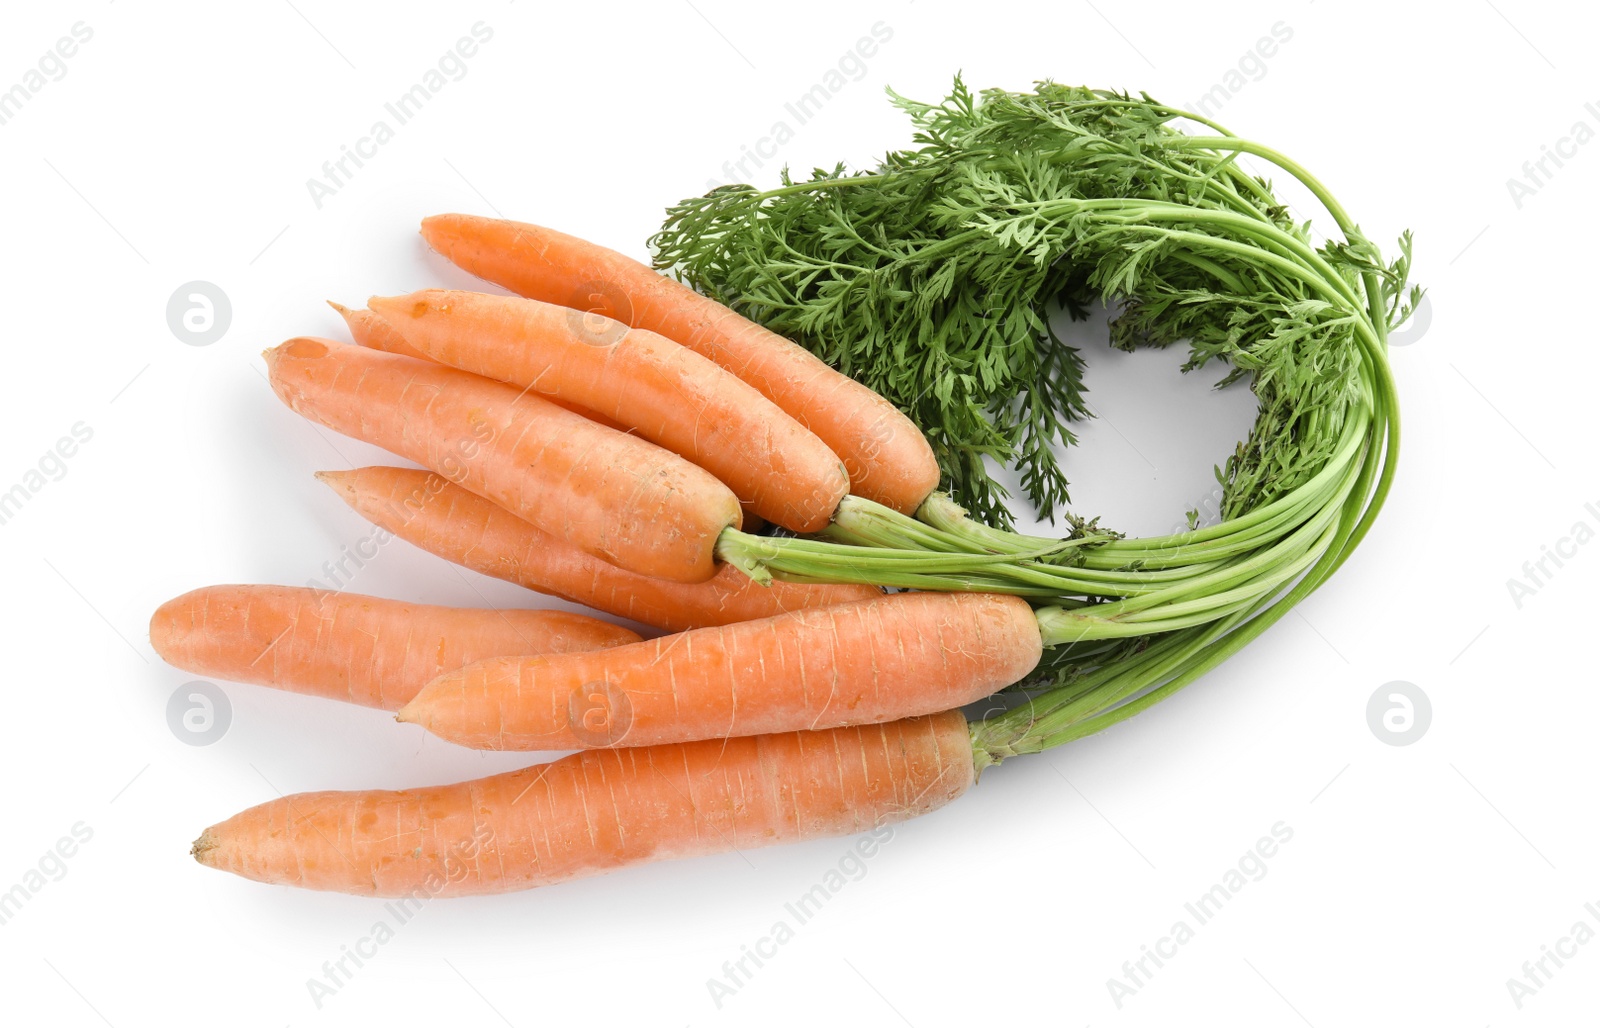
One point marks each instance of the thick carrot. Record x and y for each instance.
(858, 663)
(616, 496)
(464, 528)
(671, 395)
(594, 812)
(361, 649)
(887, 458)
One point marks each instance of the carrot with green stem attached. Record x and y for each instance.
(595, 812)
(855, 663)
(428, 511)
(669, 394)
(886, 456)
(613, 495)
(360, 649)
(896, 656)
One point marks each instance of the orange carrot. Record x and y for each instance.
(887, 458)
(671, 395)
(594, 812)
(368, 329)
(464, 528)
(857, 663)
(362, 649)
(613, 495)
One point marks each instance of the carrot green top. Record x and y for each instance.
(930, 278)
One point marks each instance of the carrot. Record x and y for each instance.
(594, 812)
(462, 527)
(369, 330)
(613, 495)
(887, 458)
(671, 395)
(857, 663)
(362, 649)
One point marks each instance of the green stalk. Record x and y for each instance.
(917, 278)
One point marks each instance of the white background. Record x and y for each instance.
(1419, 878)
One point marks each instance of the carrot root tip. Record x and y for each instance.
(203, 846)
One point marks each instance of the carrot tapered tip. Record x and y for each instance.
(203, 847)
(341, 482)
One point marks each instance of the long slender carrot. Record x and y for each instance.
(858, 663)
(594, 812)
(618, 497)
(362, 649)
(887, 458)
(671, 395)
(464, 528)
(370, 330)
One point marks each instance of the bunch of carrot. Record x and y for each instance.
(594, 438)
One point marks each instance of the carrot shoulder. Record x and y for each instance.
(669, 394)
(343, 646)
(612, 495)
(873, 661)
(887, 458)
(598, 811)
(464, 528)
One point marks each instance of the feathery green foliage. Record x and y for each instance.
(932, 279)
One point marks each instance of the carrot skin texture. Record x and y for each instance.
(368, 329)
(878, 660)
(598, 811)
(361, 649)
(671, 395)
(887, 457)
(462, 527)
(613, 495)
